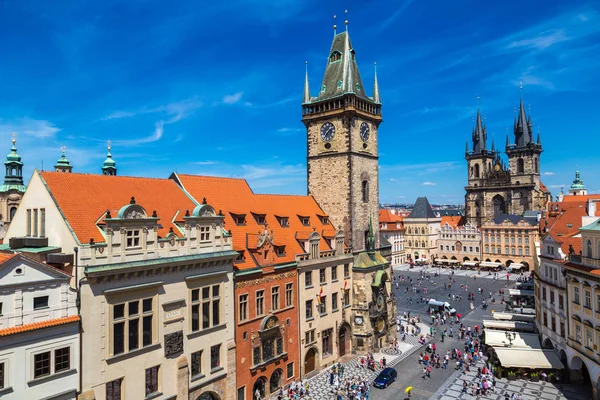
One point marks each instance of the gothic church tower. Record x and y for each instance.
(341, 126)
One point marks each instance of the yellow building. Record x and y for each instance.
(510, 239)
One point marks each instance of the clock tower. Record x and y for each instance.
(341, 126)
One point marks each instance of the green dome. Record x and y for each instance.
(577, 182)
(109, 162)
(13, 156)
(63, 161)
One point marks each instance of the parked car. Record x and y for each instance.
(385, 378)
(441, 307)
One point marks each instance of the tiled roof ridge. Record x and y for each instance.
(107, 176)
(38, 325)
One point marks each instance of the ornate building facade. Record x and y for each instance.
(422, 231)
(458, 243)
(494, 188)
(509, 239)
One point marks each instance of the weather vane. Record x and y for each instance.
(108, 144)
(63, 148)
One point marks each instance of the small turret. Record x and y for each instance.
(63, 164)
(577, 188)
(13, 180)
(479, 135)
(109, 167)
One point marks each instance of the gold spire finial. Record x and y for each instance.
(346, 21)
(14, 137)
(334, 25)
(108, 145)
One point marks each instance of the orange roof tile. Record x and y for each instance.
(543, 187)
(84, 198)
(4, 257)
(584, 198)
(453, 220)
(235, 194)
(38, 325)
(564, 220)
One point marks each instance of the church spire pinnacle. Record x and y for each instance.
(376, 97)
(109, 167)
(306, 98)
(479, 134)
(522, 128)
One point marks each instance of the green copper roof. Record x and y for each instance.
(13, 156)
(594, 226)
(7, 187)
(366, 260)
(63, 162)
(577, 182)
(6, 247)
(341, 74)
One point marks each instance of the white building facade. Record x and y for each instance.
(39, 331)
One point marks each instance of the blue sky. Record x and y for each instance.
(215, 87)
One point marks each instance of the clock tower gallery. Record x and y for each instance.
(341, 125)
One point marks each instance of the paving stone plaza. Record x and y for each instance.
(452, 389)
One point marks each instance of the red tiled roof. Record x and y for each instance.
(543, 187)
(584, 198)
(84, 198)
(454, 221)
(386, 216)
(38, 325)
(4, 257)
(235, 194)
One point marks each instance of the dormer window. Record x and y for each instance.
(283, 221)
(335, 56)
(239, 219)
(260, 218)
(323, 88)
(304, 220)
(280, 251)
(133, 238)
(240, 257)
(324, 219)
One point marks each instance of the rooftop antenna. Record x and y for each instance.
(346, 21)
(334, 25)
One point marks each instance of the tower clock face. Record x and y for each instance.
(364, 131)
(327, 131)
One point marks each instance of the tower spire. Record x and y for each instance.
(109, 167)
(479, 134)
(523, 134)
(376, 97)
(306, 98)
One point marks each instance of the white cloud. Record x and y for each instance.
(548, 173)
(154, 137)
(118, 114)
(35, 128)
(290, 130)
(233, 98)
(428, 183)
(540, 42)
(205, 162)
(556, 186)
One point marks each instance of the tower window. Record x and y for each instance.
(365, 191)
(335, 56)
(476, 171)
(520, 166)
(339, 84)
(323, 88)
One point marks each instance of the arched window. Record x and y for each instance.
(499, 205)
(365, 191)
(476, 171)
(13, 210)
(589, 248)
(535, 164)
(520, 166)
(423, 232)
(423, 244)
